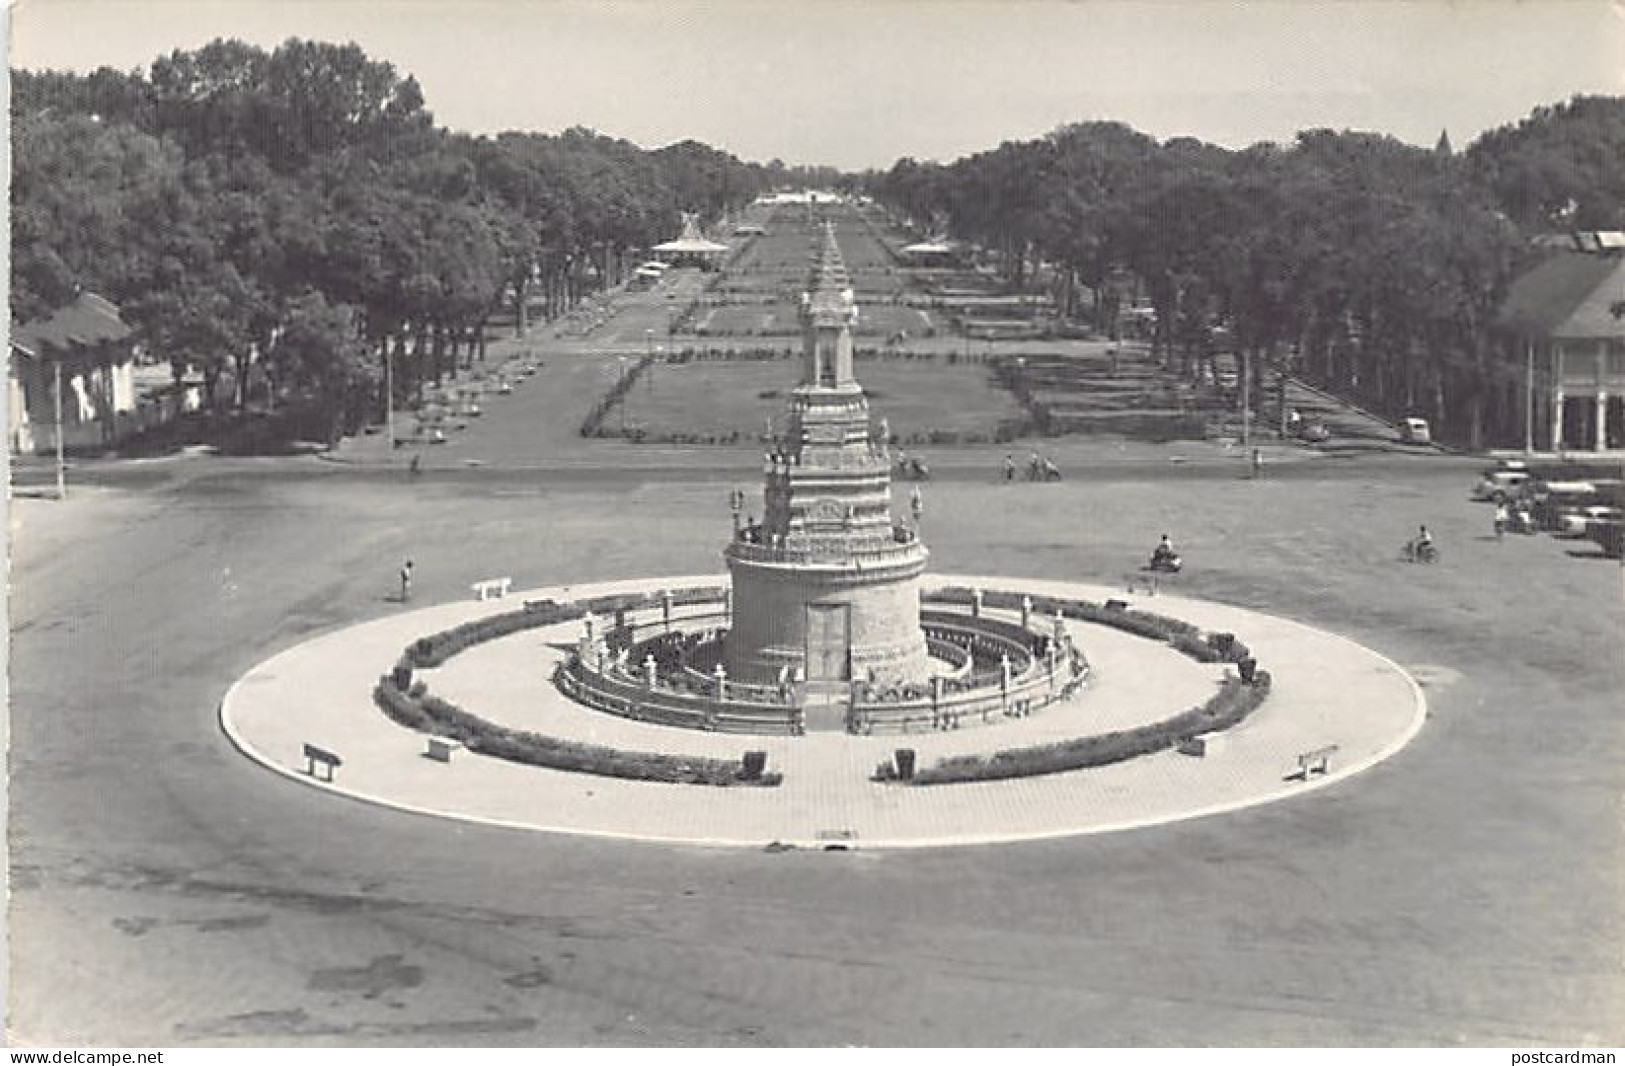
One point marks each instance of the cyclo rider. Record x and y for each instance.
(1422, 546)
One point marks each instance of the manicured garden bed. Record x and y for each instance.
(1234, 701)
(416, 709)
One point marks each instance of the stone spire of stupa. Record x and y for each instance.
(828, 309)
(830, 282)
(827, 582)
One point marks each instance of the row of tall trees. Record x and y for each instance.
(1370, 266)
(300, 208)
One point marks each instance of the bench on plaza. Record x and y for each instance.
(1144, 582)
(315, 757)
(493, 589)
(1313, 762)
(441, 749)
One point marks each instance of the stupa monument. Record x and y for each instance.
(826, 585)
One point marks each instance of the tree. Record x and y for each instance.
(1562, 167)
(321, 365)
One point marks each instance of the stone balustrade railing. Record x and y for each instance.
(877, 553)
(642, 702)
(1035, 669)
(1043, 683)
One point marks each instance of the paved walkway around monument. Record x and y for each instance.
(1327, 691)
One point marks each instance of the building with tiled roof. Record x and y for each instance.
(84, 348)
(1567, 318)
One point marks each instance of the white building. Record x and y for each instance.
(84, 346)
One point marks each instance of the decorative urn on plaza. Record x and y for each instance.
(826, 584)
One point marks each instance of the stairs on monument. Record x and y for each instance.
(825, 704)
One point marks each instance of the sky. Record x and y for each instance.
(860, 84)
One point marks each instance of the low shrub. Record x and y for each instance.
(433, 715)
(1196, 647)
(1233, 702)
(401, 675)
(1228, 648)
(436, 649)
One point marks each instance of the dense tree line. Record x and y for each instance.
(300, 208)
(1350, 259)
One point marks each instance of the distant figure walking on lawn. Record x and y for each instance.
(406, 581)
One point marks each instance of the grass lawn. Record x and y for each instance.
(706, 399)
(782, 318)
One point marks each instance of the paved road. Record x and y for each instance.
(167, 891)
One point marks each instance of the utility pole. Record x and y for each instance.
(1246, 410)
(1529, 398)
(389, 398)
(61, 464)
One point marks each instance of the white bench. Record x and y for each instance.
(1314, 762)
(441, 749)
(494, 589)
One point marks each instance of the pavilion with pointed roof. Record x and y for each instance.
(691, 246)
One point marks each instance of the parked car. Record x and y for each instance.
(1554, 501)
(1415, 431)
(1576, 523)
(1610, 535)
(1500, 484)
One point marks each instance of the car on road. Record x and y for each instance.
(1500, 484)
(1315, 433)
(1575, 523)
(1554, 501)
(1415, 431)
(1609, 534)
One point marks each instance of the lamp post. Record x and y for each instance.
(389, 400)
(1246, 410)
(56, 399)
(621, 388)
(1529, 398)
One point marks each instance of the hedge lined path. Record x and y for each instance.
(1327, 691)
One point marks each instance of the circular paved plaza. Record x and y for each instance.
(1327, 691)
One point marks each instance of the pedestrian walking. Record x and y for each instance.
(1503, 518)
(1009, 467)
(406, 581)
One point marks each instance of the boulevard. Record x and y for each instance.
(165, 890)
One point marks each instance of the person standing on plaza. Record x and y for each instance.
(406, 581)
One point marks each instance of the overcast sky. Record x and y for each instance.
(861, 84)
